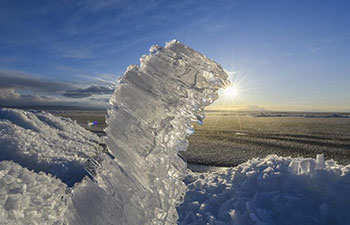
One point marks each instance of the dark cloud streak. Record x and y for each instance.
(23, 89)
(19, 80)
(90, 91)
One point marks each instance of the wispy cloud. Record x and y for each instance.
(323, 43)
(316, 49)
(9, 97)
(286, 54)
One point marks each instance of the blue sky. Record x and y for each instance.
(286, 55)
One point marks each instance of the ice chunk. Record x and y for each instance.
(320, 163)
(148, 123)
(150, 117)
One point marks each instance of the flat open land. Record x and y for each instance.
(83, 117)
(230, 138)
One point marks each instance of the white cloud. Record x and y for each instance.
(236, 107)
(9, 97)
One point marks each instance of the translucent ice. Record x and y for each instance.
(150, 118)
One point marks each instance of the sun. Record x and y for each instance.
(231, 92)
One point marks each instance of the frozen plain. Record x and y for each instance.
(128, 184)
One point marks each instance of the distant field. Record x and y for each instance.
(83, 117)
(228, 138)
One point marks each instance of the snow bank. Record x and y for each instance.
(272, 191)
(40, 141)
(30, 198)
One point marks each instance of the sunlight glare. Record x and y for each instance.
(231, 92)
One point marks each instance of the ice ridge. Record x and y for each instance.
(149, 119)
(148, 122)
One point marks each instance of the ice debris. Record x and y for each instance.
(272, 191)
(30, 198)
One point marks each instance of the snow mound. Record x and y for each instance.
(40, 141)
(270, 191)
(30, 198)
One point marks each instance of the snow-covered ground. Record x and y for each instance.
(41, 156)
(40, 141)
(29, 198)
(272, 191)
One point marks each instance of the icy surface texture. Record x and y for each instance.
(40, 141)
(271, 191)
(30, 198)
(148, 122)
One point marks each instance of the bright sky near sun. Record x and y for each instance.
(281, 55)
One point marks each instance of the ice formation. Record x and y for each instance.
(150, 118)
(272, 191)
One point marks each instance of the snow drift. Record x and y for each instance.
(41, 156)
(271, 191)
(40, 141)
